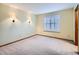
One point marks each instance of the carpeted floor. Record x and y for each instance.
(39, 45)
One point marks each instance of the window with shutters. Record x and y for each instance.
(52, 23)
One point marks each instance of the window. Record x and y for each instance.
(52, 23)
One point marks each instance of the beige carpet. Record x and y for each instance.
(39, 45)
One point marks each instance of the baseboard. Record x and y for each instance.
(35, 35)
(77, 53)
(17, 40)
(70, 41)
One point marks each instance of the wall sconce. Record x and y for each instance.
(13, 19)
(29, 21)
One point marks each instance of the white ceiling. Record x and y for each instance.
(40, 8)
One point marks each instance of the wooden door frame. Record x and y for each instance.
(76, 26)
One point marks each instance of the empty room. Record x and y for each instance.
(39, 28)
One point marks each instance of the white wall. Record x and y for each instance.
(10, 31)
(67, 24)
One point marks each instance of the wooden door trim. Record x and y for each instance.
(76, 26)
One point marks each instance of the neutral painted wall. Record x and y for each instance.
(67, 24)
(10, 31)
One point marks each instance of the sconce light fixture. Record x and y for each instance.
(29, 21)
(13, 19)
